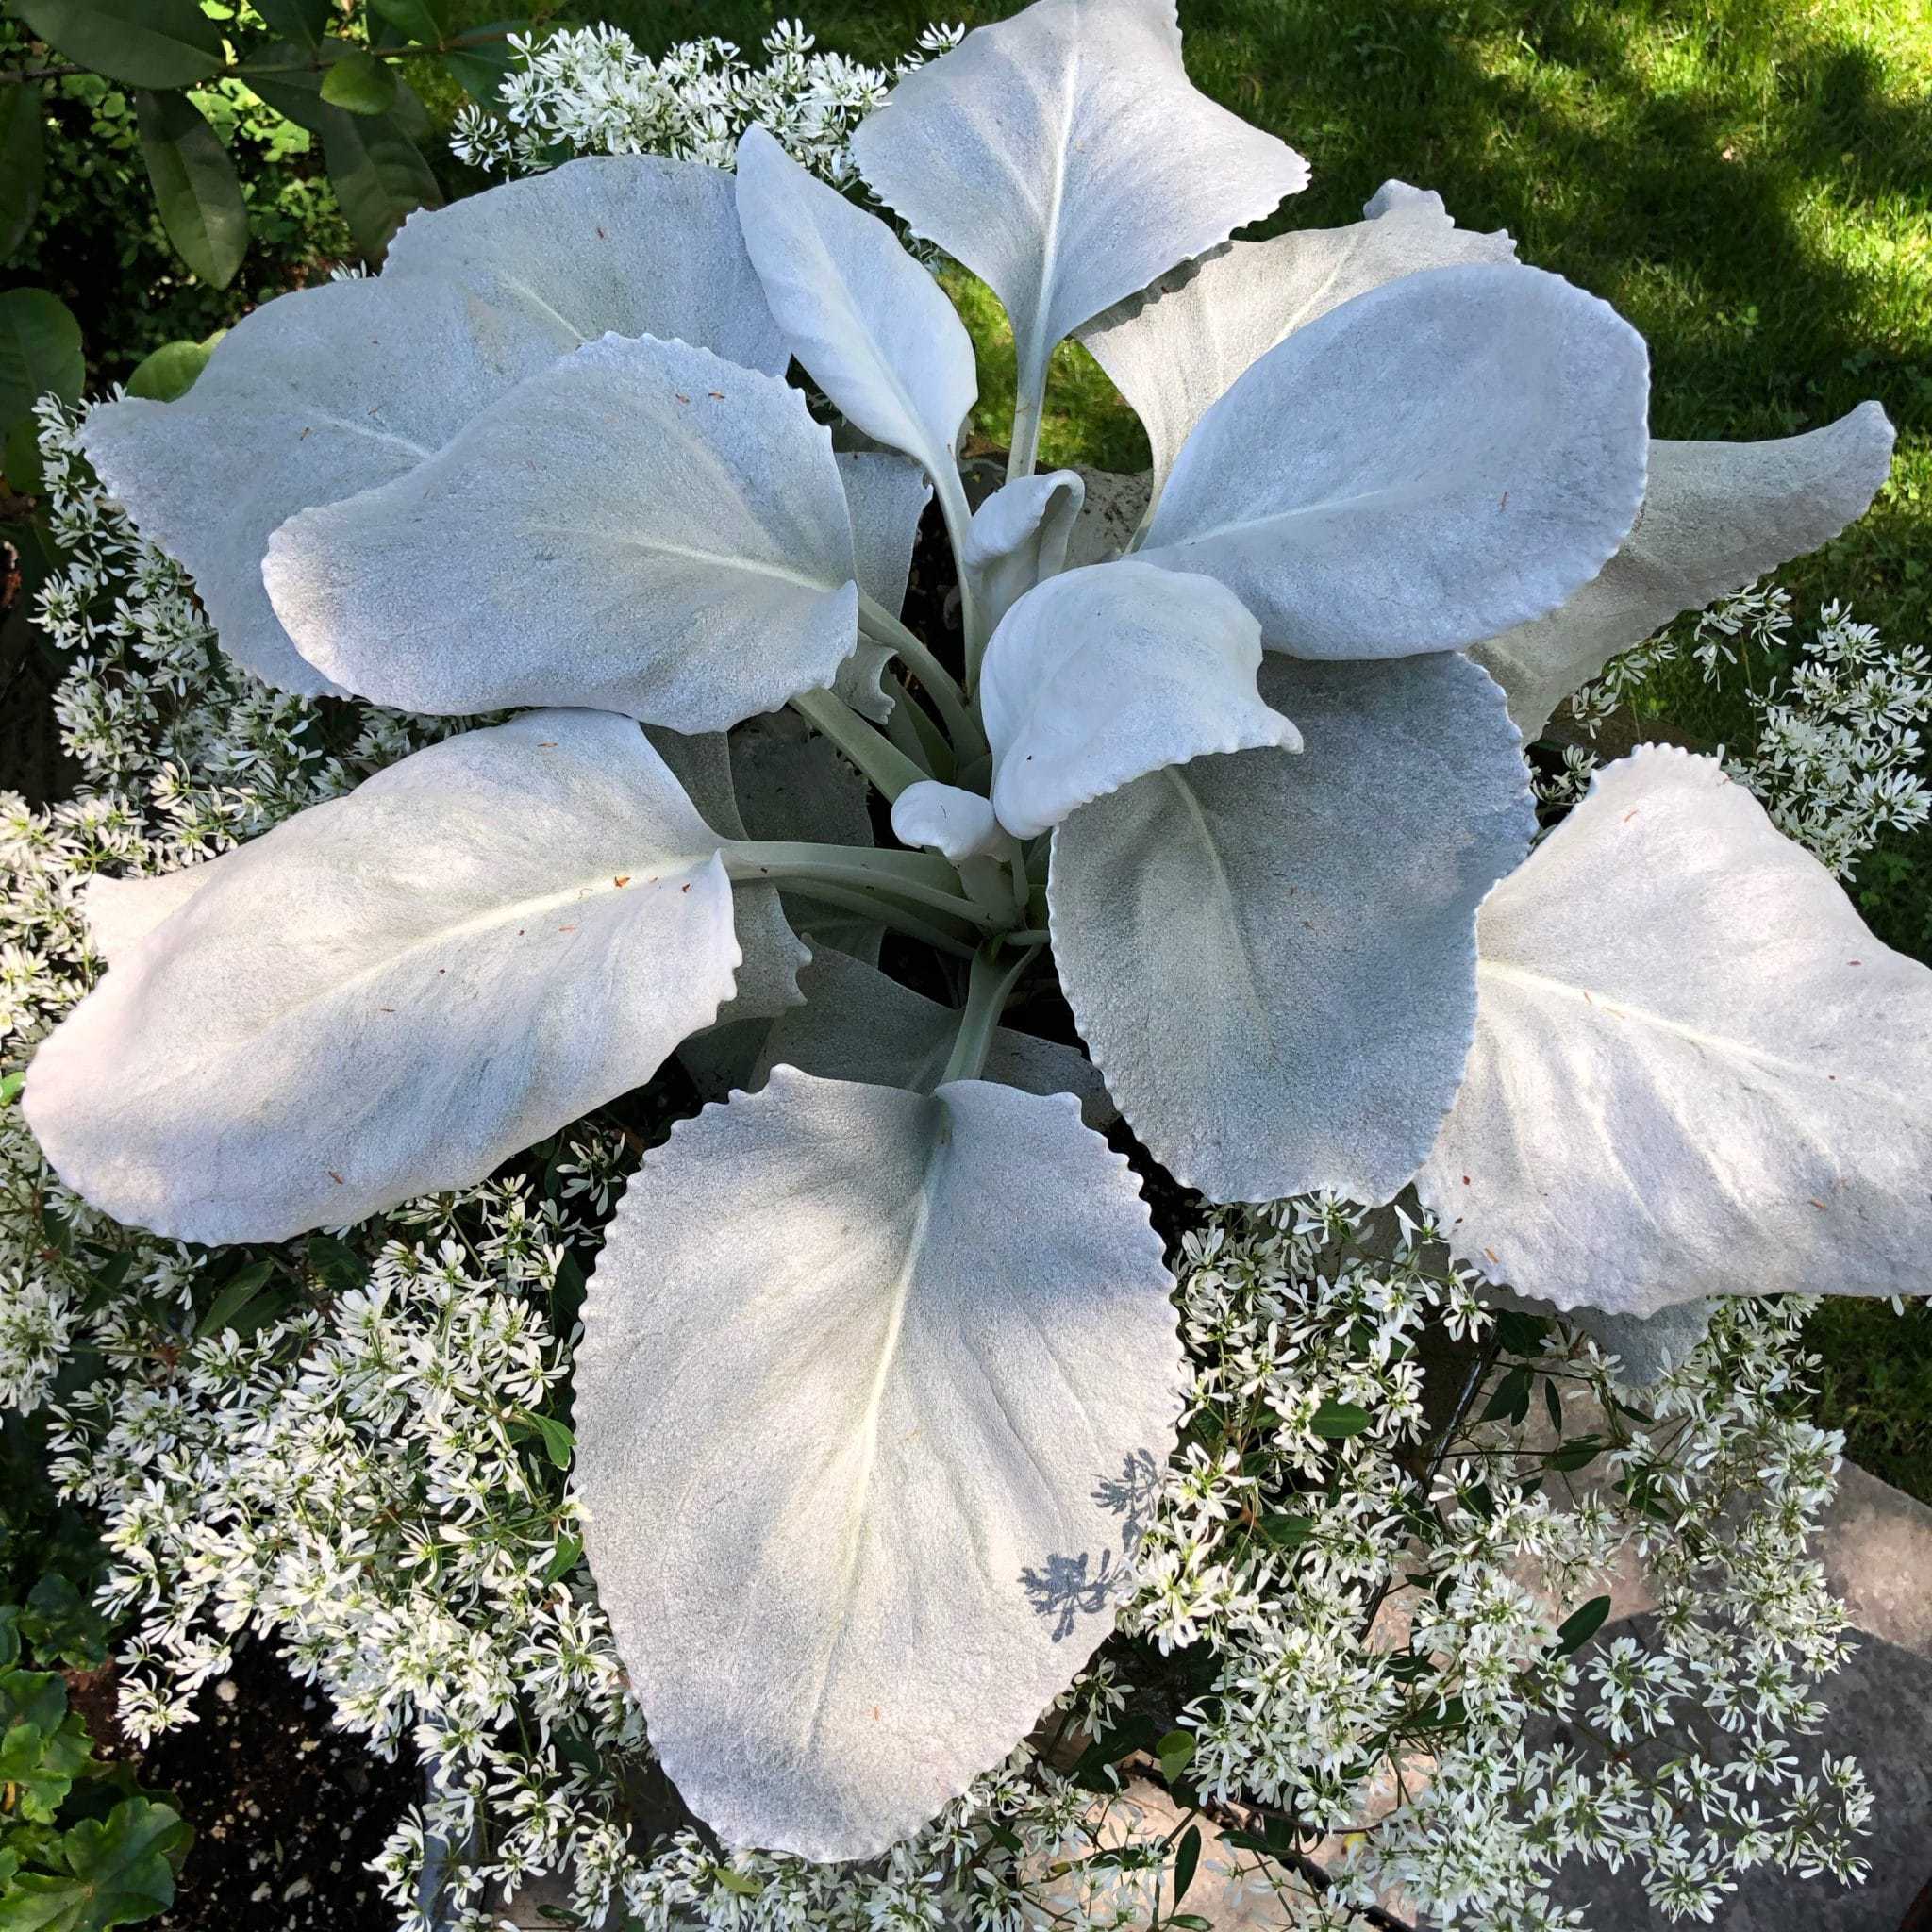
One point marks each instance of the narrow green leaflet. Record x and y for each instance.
(144, 43)
(360, 84)
(195, 187)
(23, 163)
(40, 350)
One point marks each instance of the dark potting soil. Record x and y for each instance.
(287, 1809)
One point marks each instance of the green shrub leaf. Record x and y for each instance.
(40, 350)
(23, 163)
(301, 20)
(359, 83)
(378, 174)
(1334, 1420)
(195, 187)
(1579, 1627)
(144, 43)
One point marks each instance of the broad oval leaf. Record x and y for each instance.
(144, 43)
(1695, 1071)
(359, 83)
(814, 1371)
(1175, 348)
(538, 558)
(40, 351)
(1101, 676)
(1271, 959)
(167, 373)
(1018, 538)
(23, 163)
(1447, 455)
(1716, 516)
(624, 244)
(860, 1024)
(196, 185)
(390, 995)
(1064, 157)
(313, 396)
(873, 329)
(379, 174)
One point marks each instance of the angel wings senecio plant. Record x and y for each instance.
(880, 1362)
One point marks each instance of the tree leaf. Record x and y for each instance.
(1099, 677)
(169, 372)
(1578, 1627)
(1757, 1067)
(538, 559)
(814, 1370)
(629, 244)
(359, 83)
(1337, 491)
(144, 43)
(1187, 1862)
(23, 163)
(1716, 517)
(874, 330)
(302, 22)
(40, 351)
(1335, 1420)
(379, 177)
(1065, 159)
(482, 66)
(425, 22)
(1271, 957)
(313, 396)
(1174, 348)
(195, 187)
(392, 996)
(1176, 1752)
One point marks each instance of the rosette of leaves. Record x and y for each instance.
(880, 1360)
(343, 87)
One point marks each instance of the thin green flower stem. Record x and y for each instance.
(918, 878)
(868, 905)
(874, 754)
(952, 507)
(879, 624)
(988, 986)
(939, 751)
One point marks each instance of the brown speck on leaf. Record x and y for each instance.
(335, 1176)
(874, 1714)
(1816, 1203)
(1494, 1258)
(566, 928)
(1504, 501)
(601, 236)
(622, 878)
(1632, 813)
(680, 395)
(1465, 1180)
(717, 396)
(546, 744)
(685, 887)
(1854, 962)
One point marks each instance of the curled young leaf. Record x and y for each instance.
(1101, 676)
(1695, 1071)
(1174, 348)
(1018, 538)
(814, 1370)
(1273, 958)
(886, 494)
(1064, 157)
(959, 824)
(392, 992)
(872, 327)
(1449, 454)
(540, 559)
(1715, 516)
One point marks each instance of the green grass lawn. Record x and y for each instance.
(1749, 181)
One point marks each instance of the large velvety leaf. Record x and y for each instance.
(1447, 455)
(630, 244)
(873, 329)
(1715, 516)
(1101, 676)
(1273, 958)
(195, 187)
(313, 396)
(1065, 159)
(144, 43)
(860, 1024)
(1174, 348)
(542, 555)
(862, 1450)
(1695, 1071)
(392, 992)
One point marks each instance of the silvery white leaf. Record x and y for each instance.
(541, 558)
(887, 494)
(861, 1460)
(1101, 676)
(1443, 457)
(1271, 959)
(873, 329)
(1175, 348)
(771, 952)
(1695, 1071)
(1715, 517)
(1065, 159)
(609, 245)
(311, 397)
(858, 1024)
(1110, 513)
(122, 912)
(1018, 538)
(958, 824)
(391, 992)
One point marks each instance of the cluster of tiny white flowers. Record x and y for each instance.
(1344, 1655)
(589, 90)
(1836, 755)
